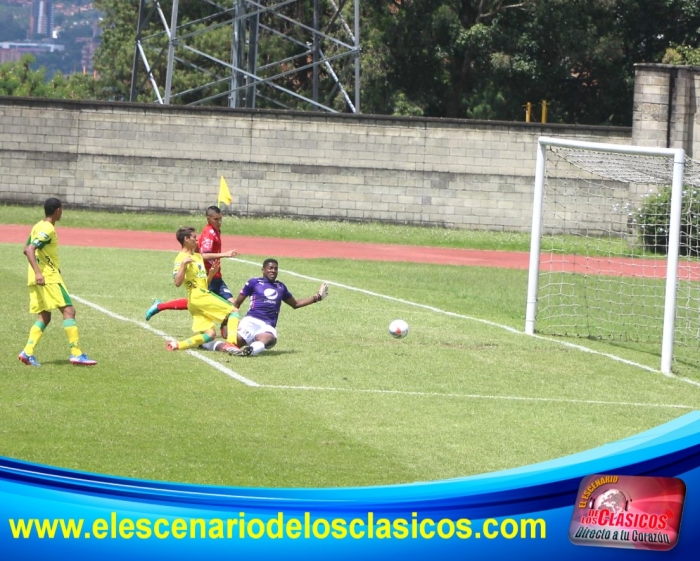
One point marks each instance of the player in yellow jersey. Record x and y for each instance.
(47, 291)
(207, 309)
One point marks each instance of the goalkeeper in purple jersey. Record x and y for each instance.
(258, 328)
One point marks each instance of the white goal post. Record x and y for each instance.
(590, 195)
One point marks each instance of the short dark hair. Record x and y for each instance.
(268, 261)
(51, 205)
(213, 209)
(184, 232)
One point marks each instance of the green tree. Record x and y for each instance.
(580, 54)
(18, 79)
(480, 59)
(437, 55)
(114, 57)
(570, 53)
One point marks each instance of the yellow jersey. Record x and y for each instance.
(45, 241)
(195, 273)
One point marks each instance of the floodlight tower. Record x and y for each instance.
(293, 54)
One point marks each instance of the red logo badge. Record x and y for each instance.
(628, 511)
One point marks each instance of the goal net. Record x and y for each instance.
(615, 250)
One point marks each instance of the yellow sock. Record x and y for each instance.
(194, 341)
(72, 334)
(35, 334)
(233, 320)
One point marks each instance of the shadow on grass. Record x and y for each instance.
(276, 353)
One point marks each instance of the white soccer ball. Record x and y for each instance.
(398, 328)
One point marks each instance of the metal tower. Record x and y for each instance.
(291, 54)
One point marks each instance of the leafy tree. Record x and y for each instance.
(682, 55)
(570, 53)
(438, 53)
(18, 79)
(481, 59)
(114, 57)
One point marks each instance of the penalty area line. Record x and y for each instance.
(214, 364)
(477, 396)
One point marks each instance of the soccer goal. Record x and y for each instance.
(615, 251)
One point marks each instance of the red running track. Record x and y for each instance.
(311, 249)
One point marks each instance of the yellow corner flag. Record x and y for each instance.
(224, 193)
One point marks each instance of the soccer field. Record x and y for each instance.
(338, 402)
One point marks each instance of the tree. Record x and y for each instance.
(114, 57)
(570, 53)
(481, 59)
(486, 59)
(437, 55)
(17, 79)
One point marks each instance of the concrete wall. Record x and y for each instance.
(665, 112)
(453, 173)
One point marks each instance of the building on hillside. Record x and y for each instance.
(41, 20)
(87, 52)
(12, 51)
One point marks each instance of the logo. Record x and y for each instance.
(627, 511)
(270, 293)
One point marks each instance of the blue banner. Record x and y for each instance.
(523, 513)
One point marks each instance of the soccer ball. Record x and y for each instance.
(398, 329)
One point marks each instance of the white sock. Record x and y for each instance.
(257, 348)
(212, 345)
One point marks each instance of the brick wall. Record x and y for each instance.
(453, 173)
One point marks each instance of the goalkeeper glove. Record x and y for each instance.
(322, 292)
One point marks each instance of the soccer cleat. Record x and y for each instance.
(153, 310)
(29, 360)
(171, 345)
(234, 350)
(82, 360)
(229, 348)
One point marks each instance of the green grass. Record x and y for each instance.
(340, 403)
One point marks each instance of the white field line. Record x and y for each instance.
(477, 396)
(251, 383)
(491, 323)
(220, 367)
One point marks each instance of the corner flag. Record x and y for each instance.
(224, 193)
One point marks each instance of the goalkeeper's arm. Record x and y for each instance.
(320, 295)
(322, 292)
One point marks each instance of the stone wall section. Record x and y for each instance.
(118, 156)
(665, 111)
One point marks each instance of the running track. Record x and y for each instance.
(310, 249)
